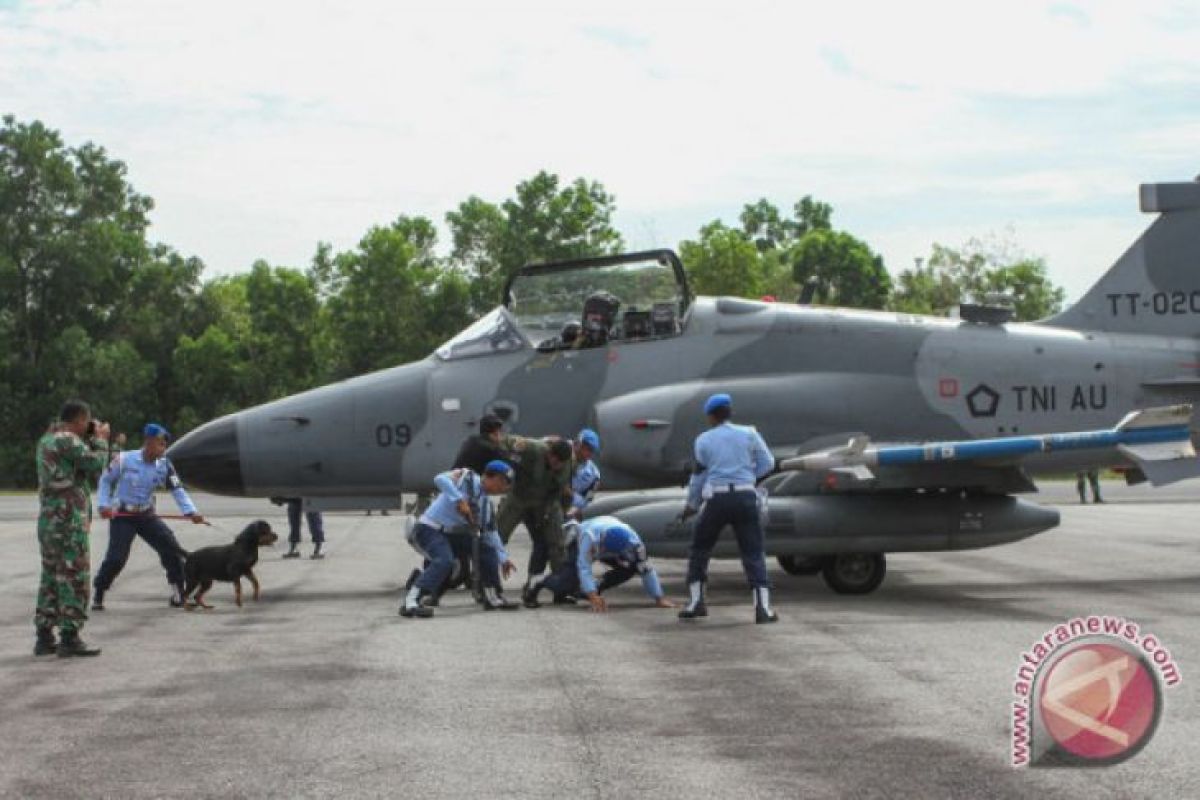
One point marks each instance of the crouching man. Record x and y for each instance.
(609, 541)
(462, 506)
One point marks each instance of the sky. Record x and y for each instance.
(262, 128)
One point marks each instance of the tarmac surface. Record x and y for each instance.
(321, 690)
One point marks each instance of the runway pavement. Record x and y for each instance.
(321, 690)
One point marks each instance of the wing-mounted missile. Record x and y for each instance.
(1156, 440)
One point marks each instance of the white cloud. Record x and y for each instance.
(260, 128)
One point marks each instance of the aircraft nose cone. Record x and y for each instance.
(208, 458)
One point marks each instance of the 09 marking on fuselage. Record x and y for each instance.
(388, 435)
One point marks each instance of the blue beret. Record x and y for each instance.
(590, 438)
(717, 401)
(618, 538)
(154, 429)
(498, 467)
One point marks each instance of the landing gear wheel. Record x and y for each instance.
(801, 565)
(854, 573)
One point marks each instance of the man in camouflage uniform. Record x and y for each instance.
(542, 487)
(70, 456)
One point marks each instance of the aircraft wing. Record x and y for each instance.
(1156, 440)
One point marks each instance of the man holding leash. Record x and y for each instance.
(126, 499)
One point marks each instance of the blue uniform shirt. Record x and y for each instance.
(463, 484)
(135, 482)
(583, 484)
(728, 454)
(591, 548)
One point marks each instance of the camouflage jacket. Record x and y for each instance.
(67, 466)
(535, 481)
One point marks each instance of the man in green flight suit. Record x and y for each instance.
(70, 457)
(542, 486)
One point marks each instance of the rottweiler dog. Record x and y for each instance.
(229, 562)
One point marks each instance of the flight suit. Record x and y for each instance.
(537, 499)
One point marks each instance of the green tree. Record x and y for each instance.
(981, 271)
(390, 300)
(845, 269)
(72, 243)
(542, 222)
(723, 262)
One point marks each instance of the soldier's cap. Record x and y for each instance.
(590, 438)
(618, 538)
(154, 429)
(721, 400)
(498, 467)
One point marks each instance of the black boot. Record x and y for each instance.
(762, 607)
(529, 595)
(695, 606)
(46, 645)
(98, 598)
(71, 646)
(293, 550)
(176, 598)
(317, 551)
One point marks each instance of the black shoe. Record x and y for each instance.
(72, 646)
(98, 598)
(418, 612)
(176, 598)
(699, 610)
(565, 600)
(317, 552)
(46, 646)
(529, 597)
(763, 617)
(494, 602)
(292, 552)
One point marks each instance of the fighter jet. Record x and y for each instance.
(620, 344)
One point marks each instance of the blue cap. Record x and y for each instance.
(618, 538)
(499, 467)
(154, 429)
(717, 401)
(590, 438)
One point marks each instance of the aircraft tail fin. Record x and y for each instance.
(1154, 287)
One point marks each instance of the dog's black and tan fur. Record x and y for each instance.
(229, 562)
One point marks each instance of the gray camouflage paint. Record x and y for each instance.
(805, 376)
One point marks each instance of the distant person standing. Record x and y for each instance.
(585, 477)
(126, 499)
(730, 459)
(69, 457)
(316, 528)
(1085, 477)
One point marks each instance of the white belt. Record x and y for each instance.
(722, 488)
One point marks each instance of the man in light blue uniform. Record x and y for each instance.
(730, 459)
(586, 476)
(609, 541)
(126, 499)
(461, 506)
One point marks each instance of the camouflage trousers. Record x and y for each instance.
(544, 522)
(62, 597)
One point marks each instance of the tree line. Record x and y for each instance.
(90, 307)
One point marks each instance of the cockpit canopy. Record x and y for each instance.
(590, 302)
(581, 304)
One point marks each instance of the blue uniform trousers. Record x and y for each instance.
(566, 580)
(739, 510)
(316, 527)
(441, 551)
(155, 532)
